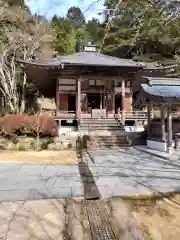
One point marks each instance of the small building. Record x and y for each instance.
(88, 84)
(164, 92)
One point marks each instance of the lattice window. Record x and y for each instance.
(83, 102)
(108, 101)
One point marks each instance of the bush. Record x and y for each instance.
(22, 125)
(21, 148)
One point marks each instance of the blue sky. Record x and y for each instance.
(60, 7)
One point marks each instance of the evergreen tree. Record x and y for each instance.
(141, 27)
(75, 15)
(65, 37)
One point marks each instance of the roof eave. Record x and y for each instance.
(100, 65)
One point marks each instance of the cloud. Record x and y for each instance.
(49, 8)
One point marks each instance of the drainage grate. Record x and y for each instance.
(100, 222)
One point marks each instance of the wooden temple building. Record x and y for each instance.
(90, 84)
(91, 88)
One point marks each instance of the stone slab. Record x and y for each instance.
(34, 182)
(133, 172)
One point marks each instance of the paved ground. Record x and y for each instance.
(33, 182)
(129, 172)
(107, 173)
(60, 219)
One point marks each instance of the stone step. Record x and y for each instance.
(111, 142)
(99, 126)
(105, 132)
(110, 145)
(99, 121)
(110, 138)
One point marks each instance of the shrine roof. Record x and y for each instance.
(161, 89)
(86, 59)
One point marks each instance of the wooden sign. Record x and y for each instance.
(98, 113)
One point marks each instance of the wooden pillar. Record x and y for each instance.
(169, 127)
(163, 123)
(101, 100)
(113, 103)
(57, 97)
(78, 100)
(123, 100)
(149, 117)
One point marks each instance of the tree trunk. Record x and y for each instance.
(22, 107)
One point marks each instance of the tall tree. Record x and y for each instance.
(21, 36)
(82, 36)
(94, 29)
(75, 15)
(65, 37)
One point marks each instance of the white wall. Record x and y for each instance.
(134, 129)
(161, 146)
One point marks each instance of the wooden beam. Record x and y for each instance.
(149, 106)
(57, 96)
(78, 101)
(101, 100)
(169, 122)
(163, 122)
(123, 100)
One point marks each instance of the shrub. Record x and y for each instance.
(22, 125)
(21, 148)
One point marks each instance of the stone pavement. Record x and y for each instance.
(33, 182)
(60, 219)
(132, 172)
(174, 156)
(106, 173)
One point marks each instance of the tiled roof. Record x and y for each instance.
(86, 58)
(97, 59)
(164, 88)
(163, 81)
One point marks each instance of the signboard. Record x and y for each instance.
(98, 113)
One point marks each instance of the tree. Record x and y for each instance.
(82, 36)
(139, 27)
(22, 36)
(8, 80)
(16, 2)
(94, 29)
(65, 37)
(75, 15)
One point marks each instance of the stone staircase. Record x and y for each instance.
(102, 124)
(104, 133)
(112, 141)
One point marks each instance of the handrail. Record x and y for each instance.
(67, 111)
(134, 113)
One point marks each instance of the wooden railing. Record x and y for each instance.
(129, 115)
(133, 115)
(66, 114)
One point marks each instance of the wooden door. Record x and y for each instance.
(63, 102)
